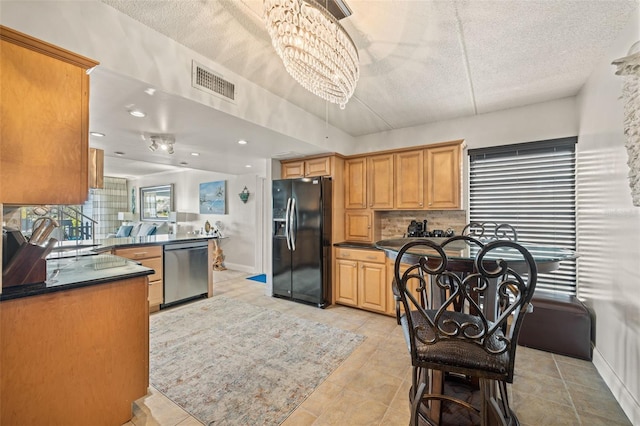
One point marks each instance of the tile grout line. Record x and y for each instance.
(566, 388)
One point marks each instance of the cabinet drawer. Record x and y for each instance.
(155, 292)
(155, 264)
(376, 256)
(142, 252)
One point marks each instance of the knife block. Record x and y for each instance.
(28, 265)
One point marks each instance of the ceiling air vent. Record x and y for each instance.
(206, 80)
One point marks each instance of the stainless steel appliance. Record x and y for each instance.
(186, 271)
(302, 240)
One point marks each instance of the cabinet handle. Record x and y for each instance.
(370, 205)
(371, 257)
(420, 204)
(345, 254)
(140, 254)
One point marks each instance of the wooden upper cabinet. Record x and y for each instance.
(443, 177)
(358, 225)
(45, 122)
(409, 181)
(312, 167)
(292, 170)
(355, 175)
(380, 181)
(317, 167)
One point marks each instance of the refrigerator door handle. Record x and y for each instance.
(292, 233)
(287, 234)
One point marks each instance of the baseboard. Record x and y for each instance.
(628, 403)
(241, 268)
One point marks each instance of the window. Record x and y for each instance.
(532, 187)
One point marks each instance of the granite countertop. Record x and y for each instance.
(75, 272)
(108, 244)
(369, 246)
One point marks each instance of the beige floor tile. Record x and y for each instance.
(592, 420)
(535, 411)
(157, 409)
(550, 389)
(583, 374)
(322, 397)
(351, 409)
(396, 417)
(300, 417)
(375, 384)
(596, 402)
(393, 361)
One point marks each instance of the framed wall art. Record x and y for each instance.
(213, 197)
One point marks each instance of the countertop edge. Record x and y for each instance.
(363, 246)
(126, 242)
(36, 289)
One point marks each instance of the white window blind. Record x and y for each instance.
(532, 187)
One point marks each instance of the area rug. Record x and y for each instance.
(262, 278)
(227, 362)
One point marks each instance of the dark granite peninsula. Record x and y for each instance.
(76, 346)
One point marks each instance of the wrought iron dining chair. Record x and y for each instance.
(459, 337)
(490, 231)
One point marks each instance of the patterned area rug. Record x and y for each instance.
(227, 362)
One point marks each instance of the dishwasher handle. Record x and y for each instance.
(186, 246)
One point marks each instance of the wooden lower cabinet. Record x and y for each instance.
(413, 285)
(361, 279)
(151, 257)
(75, 357)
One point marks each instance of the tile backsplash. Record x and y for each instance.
(394, 224)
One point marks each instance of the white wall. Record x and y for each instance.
(609, 229)
(546, 120)
(242, 222)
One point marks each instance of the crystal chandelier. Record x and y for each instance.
(315, 49)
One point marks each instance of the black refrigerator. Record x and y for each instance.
(302, 240)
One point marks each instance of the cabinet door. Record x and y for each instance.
(357, 226)
(380, 181)
(347, 282)
(443, 177)
(372, 287)
(292, 170)
(409, 180)
(355, 175)
(318, 167)
(45, 122)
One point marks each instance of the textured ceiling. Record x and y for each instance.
(421, 61)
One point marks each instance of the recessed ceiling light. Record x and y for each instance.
(242, 142)
(97, 134)
(195, 154)
(137, 113)
(119, 153)
(248, 166)
(150, 91)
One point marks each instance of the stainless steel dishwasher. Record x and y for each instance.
(186, 271)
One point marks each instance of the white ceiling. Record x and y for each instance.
(421, 61)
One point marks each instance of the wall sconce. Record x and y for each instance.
(244, 195)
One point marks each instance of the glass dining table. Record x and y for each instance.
(463, 254)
